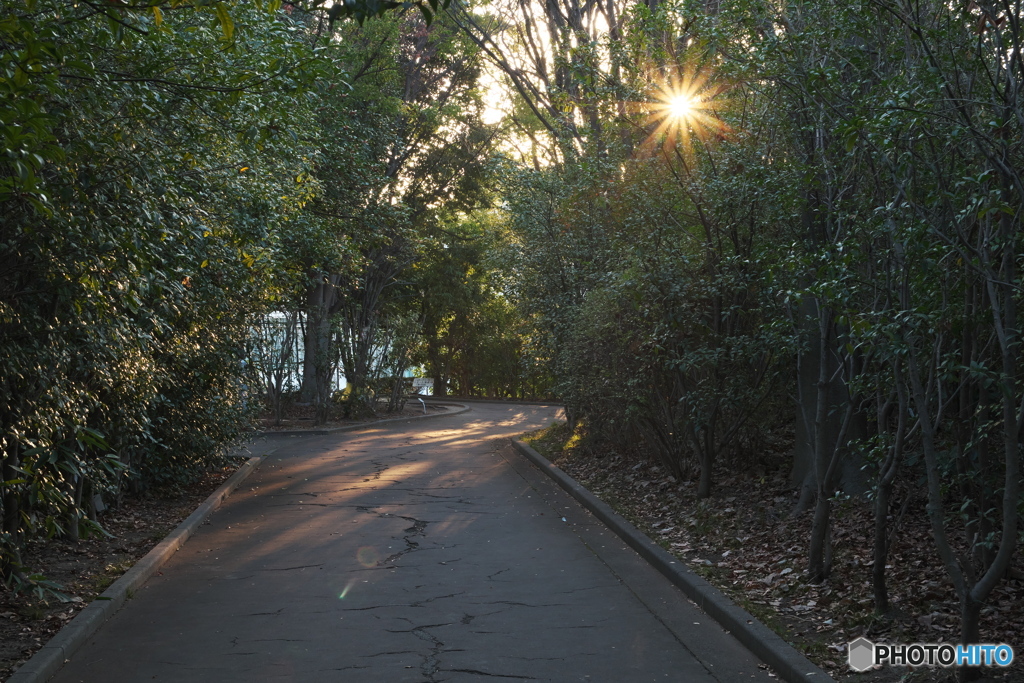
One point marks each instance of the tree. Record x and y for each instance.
(410, 143)
(141, 189)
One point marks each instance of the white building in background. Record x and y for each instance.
(268, 346)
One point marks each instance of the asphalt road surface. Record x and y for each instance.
(420, 552)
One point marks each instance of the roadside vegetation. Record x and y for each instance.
(175, 177)
(813, 223)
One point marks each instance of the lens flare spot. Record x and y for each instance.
(368, 556)
(347, 588)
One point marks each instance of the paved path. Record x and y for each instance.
(419, 552)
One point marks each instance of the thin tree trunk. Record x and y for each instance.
(826, 458)
(883, 496)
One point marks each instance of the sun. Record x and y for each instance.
(682, 106)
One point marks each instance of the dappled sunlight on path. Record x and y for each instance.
(416, 552)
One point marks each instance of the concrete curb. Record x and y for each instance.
(789, 664)
(362, 425)
(48, 661)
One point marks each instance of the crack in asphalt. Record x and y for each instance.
(432, 661)
(418, 528)
(468, 618)
(288, 569)
(275, 613)
(381, 469)
(477, 672)
(512, 603)
(418, 603)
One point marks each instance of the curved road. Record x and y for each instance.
(418, 551)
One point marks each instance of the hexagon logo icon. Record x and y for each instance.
(862, 654)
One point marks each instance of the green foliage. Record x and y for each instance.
(658, 341)
(153, 164)
(847, 197)
(408, 153)
(843, 210)
(474, 340)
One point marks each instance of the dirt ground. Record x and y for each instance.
(746, 542)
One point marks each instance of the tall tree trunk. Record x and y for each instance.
(319, 364)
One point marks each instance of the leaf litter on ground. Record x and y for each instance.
(748, 542)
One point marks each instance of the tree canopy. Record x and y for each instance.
(694, 222)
